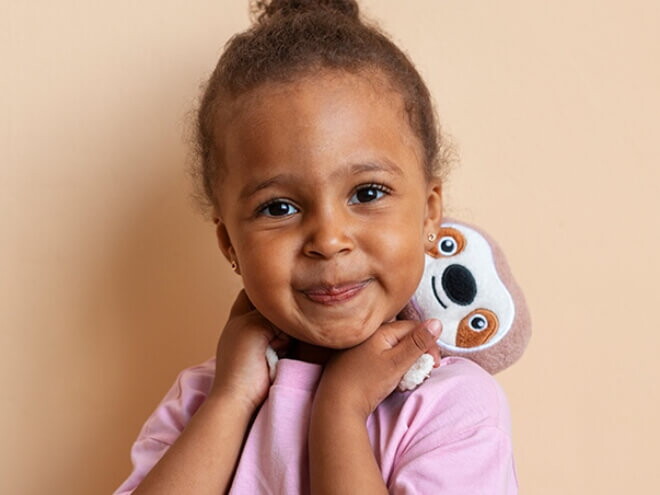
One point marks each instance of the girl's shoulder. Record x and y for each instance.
(461, 373)
(199, 374)
(459, 395)
(183, 399)
(452, 432)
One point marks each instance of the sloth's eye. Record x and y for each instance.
(447, 245)
(478, 323)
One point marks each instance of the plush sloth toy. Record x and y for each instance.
(468, 286)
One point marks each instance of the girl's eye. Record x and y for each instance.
(367, 194)
(278, 209)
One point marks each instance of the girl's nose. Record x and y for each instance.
(328, 236)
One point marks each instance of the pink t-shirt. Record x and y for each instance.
(452, 435)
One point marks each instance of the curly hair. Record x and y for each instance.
(292, 38)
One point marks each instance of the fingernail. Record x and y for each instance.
(435, 327)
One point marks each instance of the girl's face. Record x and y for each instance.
(324, 204)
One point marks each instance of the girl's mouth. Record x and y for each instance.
(335, 294)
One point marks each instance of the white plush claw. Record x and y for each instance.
(272, 359)
(417, 373)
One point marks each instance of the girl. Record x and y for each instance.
(319, 159)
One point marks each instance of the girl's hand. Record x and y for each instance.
(241, 370)
(361, 377)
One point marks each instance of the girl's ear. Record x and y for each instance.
(224, 243)
(433, 216)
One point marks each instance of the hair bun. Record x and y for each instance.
(264, 10)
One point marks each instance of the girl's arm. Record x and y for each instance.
(354, 382)
(340, 455)
(204, 457)
(206, 453)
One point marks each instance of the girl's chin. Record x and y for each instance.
(343, 340)
(333, 335)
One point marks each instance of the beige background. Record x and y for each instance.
(111, 282)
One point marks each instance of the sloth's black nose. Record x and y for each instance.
(459, 284)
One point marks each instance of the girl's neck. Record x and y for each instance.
(303, 351)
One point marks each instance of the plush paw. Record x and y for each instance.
(417, 373)
(272, 359)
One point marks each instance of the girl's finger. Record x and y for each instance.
(421, 340)
(395, 332)
(437, 356)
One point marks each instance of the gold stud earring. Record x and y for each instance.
(431, 237)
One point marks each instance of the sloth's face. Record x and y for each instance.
(325, 205)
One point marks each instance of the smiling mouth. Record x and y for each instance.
(435, 293)
(335, 294)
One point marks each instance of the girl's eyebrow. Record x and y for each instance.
(256, 186)
(383, 165)
(357, 168)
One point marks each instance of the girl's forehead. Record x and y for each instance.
(333, 111)
(338, 85)
(314, 124)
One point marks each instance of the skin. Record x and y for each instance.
(325, 208)
(300, 160)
